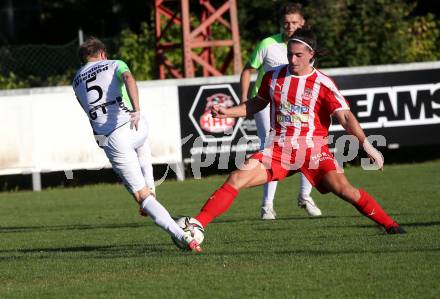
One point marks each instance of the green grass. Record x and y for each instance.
(89, 243)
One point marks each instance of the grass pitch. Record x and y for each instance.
(89, 242)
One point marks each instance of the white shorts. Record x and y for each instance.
(120, 147)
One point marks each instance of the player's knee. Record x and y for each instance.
(346, 192)
(140, 195)
(237, 179)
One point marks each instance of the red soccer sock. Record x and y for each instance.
(217, 204)
(370, 208)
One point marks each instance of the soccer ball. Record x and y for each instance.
(191, 227)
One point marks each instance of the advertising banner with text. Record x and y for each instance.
(403, 106)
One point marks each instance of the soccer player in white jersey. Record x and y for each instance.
(108, 93)
(270, 53)
(302, 101)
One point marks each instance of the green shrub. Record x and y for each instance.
(138, 51)
(11, 81)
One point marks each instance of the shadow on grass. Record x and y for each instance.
(290, 218)
(253, 220)
(416, 224)
(100, 251)
(21, 229)
(403, 224)
(327, 226)
(391, 251)
(258, 220)
(165, 250)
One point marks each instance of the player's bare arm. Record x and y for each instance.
(247, 108)
(133, 94)
(245, 79)
(352, 126)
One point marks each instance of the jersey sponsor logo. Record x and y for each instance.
(89, 74)
(293, 115)
(321, 157)
(216, 125)
(295, 119)
(396, 106)
(93, 111)
(293, 108)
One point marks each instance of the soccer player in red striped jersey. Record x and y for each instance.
(302, 101)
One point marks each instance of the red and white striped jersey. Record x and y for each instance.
(301, 106)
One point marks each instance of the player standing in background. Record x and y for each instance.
(302, 101)
(270, 53)
(108, 93)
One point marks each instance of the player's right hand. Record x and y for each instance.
(135, 116)
(218, 111)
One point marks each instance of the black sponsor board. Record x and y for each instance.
(402, 106)
(203, 135)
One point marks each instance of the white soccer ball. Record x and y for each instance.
(191, 227)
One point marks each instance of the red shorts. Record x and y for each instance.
(281, 162)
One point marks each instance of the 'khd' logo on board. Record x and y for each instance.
(209, 128)
(217, 125)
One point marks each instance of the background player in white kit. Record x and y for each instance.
(108, 93)
(270, 53)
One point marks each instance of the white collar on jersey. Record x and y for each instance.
(303, 76)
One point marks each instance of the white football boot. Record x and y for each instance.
(268, 213)
(307, 203)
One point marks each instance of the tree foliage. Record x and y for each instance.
(355, 32)
(138, 51)
(373, 32)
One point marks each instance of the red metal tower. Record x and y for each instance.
(195, 39)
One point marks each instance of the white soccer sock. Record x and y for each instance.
(305, 187)
(161, 217)
(269, 193)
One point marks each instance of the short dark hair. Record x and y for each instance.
(91, 47)
(291, 8)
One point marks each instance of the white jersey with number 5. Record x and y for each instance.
(101, 92)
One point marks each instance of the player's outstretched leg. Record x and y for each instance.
(151, 207)
(217, 204)
(361, 200)
(370, 208)
(306, 201)
(252, 173)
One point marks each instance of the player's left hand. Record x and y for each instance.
(374, 154)
(135, 116)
